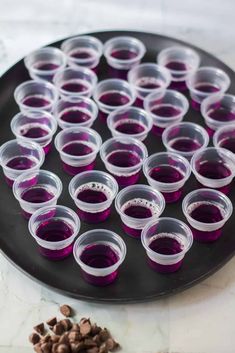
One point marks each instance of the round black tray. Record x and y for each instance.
(137, 282)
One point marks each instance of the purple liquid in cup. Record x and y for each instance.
(168, 174)
(77, 149)
(36, 194)
(36, 132)
(185, 144)
(45, 66)
(36, 101)
(20, 163)
(228, 143)
(129, 127)
(136, 211)
(55, 230)
(75, 86)
(206, 212)
(113, 98)
(166, 245)
(204, 88)
(99, 256)
(75, 116)
(177, 66)
(164, 111)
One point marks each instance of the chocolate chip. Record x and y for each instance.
(89, 343)
(55, 338)
(103, 348)
(66, 310)
(40, 328)
(74, 336)
(46, 338)
(93, 350)
(111, 345)
(52, 322)
(85, 327)
(75, 327)
(46, 347)
(62, 348)
(58, 329)
(96, 339)
(95, 329)
(67, 324)
(104, 335)
(64, 339)
(34, 338)
(54, 347)
(37, 348)
(77, 347)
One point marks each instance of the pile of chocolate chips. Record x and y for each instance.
(69, 337)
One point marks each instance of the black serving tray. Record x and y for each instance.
(137, 282)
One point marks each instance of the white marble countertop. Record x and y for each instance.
(200, 320)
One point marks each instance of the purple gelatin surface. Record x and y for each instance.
(228, 143)
(75, 116)
(221, 114)
(185, 144)
(75, 86)
(82, 53)
(213, 170)
(150, 83)
(37, 194)
(34, 131)
(21, 163)
(177, 65)
(124, 54)
(36, 101)
(77, 149)
(46, 66)
(166, 111)
(207, 87)
(114, 98)
(123, 159)
(129, 127)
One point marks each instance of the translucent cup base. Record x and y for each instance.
(71, 170)
(132, 232)
(127, 180)
(178, 86)
(171, 197)
(115, 73)
(56, 254)
(100, 281)
(224, 189)
(206, 237)
(94, 218)
(157, 130)
(164, 268)
(195, 105)
(47, 148)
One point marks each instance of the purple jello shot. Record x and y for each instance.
(93, 193)
(214, 168)
(75, 111)
(166, 108)
(130, 121)
(78, 82)
(35, 126)
(185, 139)
(99, 253)
(123, 158)
(166, 241)
(181, 62)
(167, 172)
(44, 63)
(207, 211)
(35, 190)
(147, 78)
(36, 95)
(54, 228)
(112, 94)
(16, 157)
(218, 110)
(225, 137)
(122, 53)
(204, 82)
(137, 205)
(84, 51)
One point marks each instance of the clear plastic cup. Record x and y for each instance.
(166, 241)
(218, 110)
(214, 168)
(167, 172)
(75, 111)
(124, 52)
(93, 193)
(35, 126)
(78, 148)
(78, 82)
(99, 253)
(16, 157)
(44, 63)
(147, 78)
(185, 139)
(123, 158)
(112, 94)
(36, 189)
(181, 62)
(137, 205)
(207, 211)
(36, 95)
(83, 51)
(130, 121)
(225, 137)
(165, 108)
(54, 228)
(204, 82)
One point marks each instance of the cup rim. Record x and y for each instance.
(220, 130)
(88, 268)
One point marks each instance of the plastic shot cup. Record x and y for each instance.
(93, 193)
(218, 110)
(99, 253)
(44, 63)
(166, 241)
(207, 211)
(111, 94)
(36, 95)
(167, 172)
(75, 111)
(130, 121)
(225, 137)
(78, 82)
(35, 126)
(54, 228)
(78, 148)
(165, 108)
(84, 51)
(122, 53)
(214, 168)
(147, 78)
(123, 157)
(204, 82)
(181, 62)
(185, 139)
(17, 157)
(36, 189)
(137, 205)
